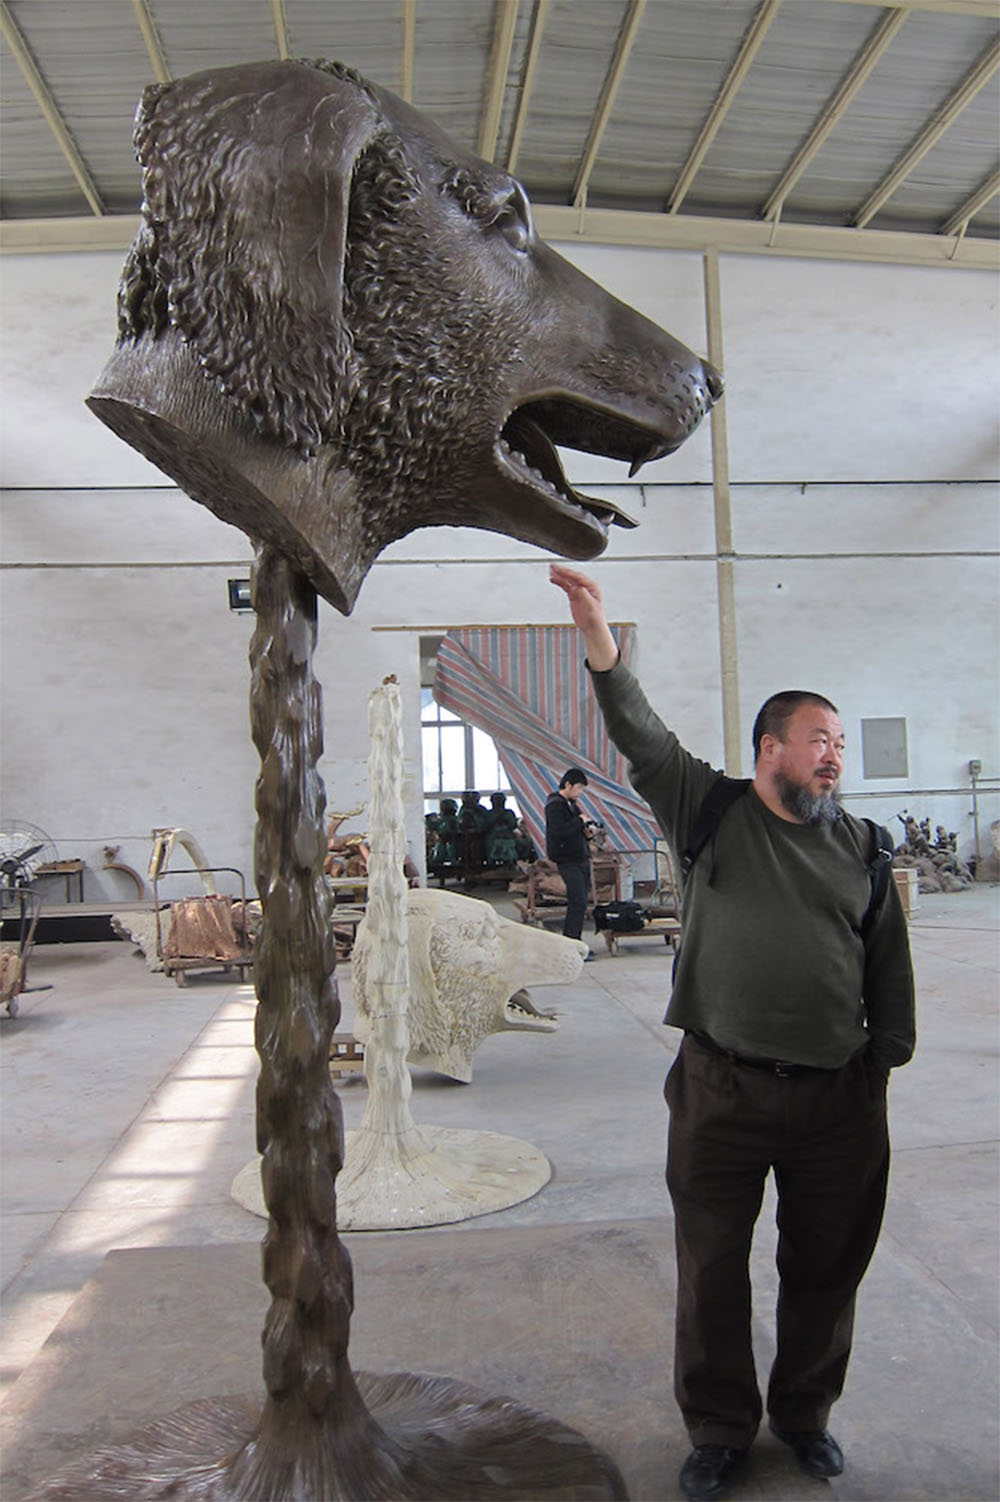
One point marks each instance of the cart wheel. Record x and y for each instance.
(180, 978)
(611, 941)
(13, 1007)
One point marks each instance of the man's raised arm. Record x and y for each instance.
(587, 608)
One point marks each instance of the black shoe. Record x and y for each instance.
(707, 1471)
(816, 1450)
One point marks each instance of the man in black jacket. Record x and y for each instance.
(794, 1009)
(566, 844)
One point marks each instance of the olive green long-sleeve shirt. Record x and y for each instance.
(772, 963)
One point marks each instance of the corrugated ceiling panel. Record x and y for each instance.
(675, 72)
(95, 66)
(37, 180)
(577, 51)
(453, 47)
(802, 59)
(93, 58)
(369, 37)
(926, 63)
(196, 35)
(951, 171)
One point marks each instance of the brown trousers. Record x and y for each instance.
(824, 1134)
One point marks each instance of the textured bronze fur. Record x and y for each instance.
(335, 326)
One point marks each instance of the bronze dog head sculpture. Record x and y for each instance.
(336, 327)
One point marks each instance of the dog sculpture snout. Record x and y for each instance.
(336, 326)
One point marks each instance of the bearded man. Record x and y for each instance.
(794, 992)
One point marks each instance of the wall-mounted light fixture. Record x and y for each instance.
(239, 595)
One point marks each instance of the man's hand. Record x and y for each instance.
(587, 608)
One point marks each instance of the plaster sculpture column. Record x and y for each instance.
(396, 1174)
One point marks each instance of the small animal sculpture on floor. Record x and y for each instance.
(469, 970)
(937, 861)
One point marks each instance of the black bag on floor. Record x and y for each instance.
(620, 917)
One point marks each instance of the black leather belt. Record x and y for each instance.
(780, 1067)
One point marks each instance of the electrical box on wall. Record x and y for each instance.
(883, 748)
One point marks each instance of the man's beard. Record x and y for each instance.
(809, 808)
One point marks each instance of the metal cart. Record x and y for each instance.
(661, 911)
(179, 965)
(605, 880)
(19, 910)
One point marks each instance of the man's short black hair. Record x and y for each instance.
(774, 713)
(574, 775)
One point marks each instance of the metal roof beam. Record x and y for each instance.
(559, 222)
(853, 80)
(151, 37)
(723, 101)
(408, 18)
(986, 10)
(53, 118)
(505, 20)
(606, 103)
(931, 134)
(280, 27)
(970, 208)
(538, 19)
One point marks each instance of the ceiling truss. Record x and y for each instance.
(514, 79)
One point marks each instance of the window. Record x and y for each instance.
(456, 755)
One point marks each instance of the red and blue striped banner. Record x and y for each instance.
(528, 688)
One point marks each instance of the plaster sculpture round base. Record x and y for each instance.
(429, 1176)
(397, 1175)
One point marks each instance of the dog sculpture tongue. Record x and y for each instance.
(336, 327)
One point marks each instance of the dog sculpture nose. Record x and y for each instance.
(713, 380)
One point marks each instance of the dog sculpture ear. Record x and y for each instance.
(246, 181)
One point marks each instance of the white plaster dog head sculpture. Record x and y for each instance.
(468, 970)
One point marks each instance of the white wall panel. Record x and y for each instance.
(125, 677)
(57, 330)
(846, 372)
(822, 519)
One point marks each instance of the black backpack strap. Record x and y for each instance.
(879, 871)
(720, 796)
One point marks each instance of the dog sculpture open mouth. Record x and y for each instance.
(521, 1015)
(527, 450)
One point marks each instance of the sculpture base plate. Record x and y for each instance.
(452, 1442)
(427, 1176)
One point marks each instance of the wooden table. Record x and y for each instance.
(67, 869)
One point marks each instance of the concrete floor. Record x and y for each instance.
(127, 1108)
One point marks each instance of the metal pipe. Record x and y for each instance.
(975, 769)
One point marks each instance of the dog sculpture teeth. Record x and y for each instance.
(602, 511)
(337, 326)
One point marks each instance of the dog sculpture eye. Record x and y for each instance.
(513, 219)
(501, 206)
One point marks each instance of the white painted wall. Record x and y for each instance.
(863, 439)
